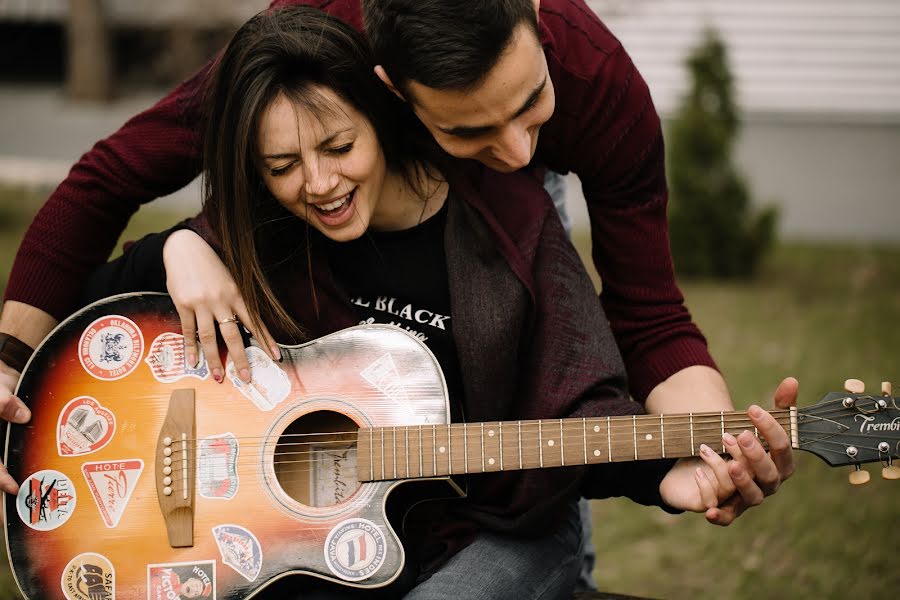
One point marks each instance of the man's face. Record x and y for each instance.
(497, 123)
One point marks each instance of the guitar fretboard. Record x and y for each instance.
(385, 453)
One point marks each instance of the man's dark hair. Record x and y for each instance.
(442, 44)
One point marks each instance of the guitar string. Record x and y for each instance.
(254, 458)
(649, 421)
(649, 425)
(242, 468)
(617, 435)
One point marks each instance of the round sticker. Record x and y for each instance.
(355, 549)
(89, 576)
(46, 500)
(111, 347)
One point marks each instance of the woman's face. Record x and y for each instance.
(328, 169)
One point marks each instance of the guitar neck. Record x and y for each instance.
(387, 453)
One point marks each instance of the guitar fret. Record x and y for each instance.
(500, 427)
(371, 458)
(722, 416)
(609, 438)
(465, 448)
(520, 444)
(691, 427)
(450, 449)
(421, 469)
(541, 444)
(482, 447)
(434, 447)
(394, 448)
(382, 452)
(562, 444)
(634, 433)
(584, 437)
(406, 441)
(662, 435)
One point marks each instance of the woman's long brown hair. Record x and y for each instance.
(287, 51)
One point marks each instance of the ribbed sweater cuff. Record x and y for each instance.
(656, 365)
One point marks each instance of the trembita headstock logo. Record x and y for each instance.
(866, 425)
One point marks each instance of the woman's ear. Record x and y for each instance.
(383, 76)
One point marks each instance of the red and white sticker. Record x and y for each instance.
(111, 483)
(111, 347)
(89, 576)
(166, 360)
(84, 426)
(173, 581)
(46, 500)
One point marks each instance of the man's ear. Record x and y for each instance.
(383, 76)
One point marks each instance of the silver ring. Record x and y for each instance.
(233, 319)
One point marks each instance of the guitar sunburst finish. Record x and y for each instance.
(258, 513)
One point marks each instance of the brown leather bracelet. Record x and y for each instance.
(14, 352)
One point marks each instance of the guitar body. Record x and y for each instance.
(262, 482)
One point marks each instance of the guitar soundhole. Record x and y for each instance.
(315, 459)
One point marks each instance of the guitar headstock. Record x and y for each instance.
(854, 428)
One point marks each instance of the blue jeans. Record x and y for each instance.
(493, 567)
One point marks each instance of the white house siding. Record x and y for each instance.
(819, 85)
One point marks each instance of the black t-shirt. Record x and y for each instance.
(400, 278)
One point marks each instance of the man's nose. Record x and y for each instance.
(513, 148)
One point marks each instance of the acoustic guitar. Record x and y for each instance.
(141, 477)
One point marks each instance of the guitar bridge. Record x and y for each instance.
(175, 468)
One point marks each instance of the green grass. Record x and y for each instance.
(820, 313)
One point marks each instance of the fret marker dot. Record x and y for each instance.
(442, 449)
(491, 433)
(649, 436)
(596, 429)
(490, 461)
(596, 453)
(550, 443)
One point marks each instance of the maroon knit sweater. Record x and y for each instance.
(605, 129)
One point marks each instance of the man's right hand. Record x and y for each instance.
(11, 409)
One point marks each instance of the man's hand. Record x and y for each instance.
(11, 409)
(724, 490)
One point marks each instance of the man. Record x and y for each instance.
(513, 84)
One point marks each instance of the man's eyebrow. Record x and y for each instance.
(471, 131)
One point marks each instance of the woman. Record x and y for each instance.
(330, 207)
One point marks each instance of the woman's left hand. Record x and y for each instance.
(205, 296)
(724, 490)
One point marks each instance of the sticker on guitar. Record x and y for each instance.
(111, 483)
(269, 384)
(240, 550)
(111, 347)
(89, 576)
(166, 359)
(171, 581)
(84, 426)
(355, 549)
(217, 476)
(46, 500)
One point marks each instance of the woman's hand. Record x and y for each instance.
(205, 294)
(724, 490)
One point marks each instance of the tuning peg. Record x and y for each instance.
(891, 472)
(854, 386)
(859, 477)
(886, 388)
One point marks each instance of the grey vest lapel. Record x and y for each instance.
(490, 307)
